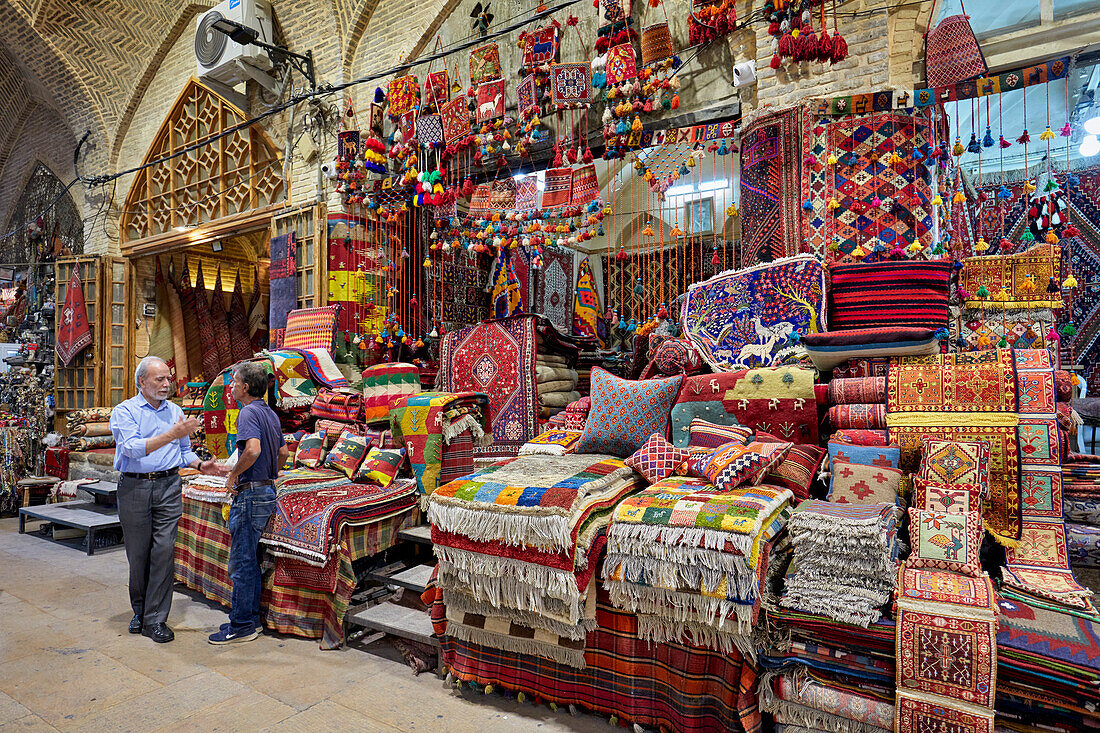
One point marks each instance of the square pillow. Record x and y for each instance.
(797, 470)
(657, 459)
(955, 461)
(625, 413)
(945, 541)
(347, 454)
(311, 328)
(380, 467)
(855, 483)
(384, 385)
(703, 434)
(885, 456)
(933, 496)
(292, 440)
(311, 450)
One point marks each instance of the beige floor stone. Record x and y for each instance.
(67, 663)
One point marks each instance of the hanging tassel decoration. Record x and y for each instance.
(987, 141)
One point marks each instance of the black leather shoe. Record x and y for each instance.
(160, 633)
(135, 624)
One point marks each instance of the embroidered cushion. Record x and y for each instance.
(855, 483)
(705, 434)
(933, 496)
(861, 436)
(677, 356)
(945, 541)
(347, 454)
(380, 467)
(576, 414)
(625, 413)
(733, 464)
(311, 328)
(384, 385)
(884, 456)
(830, 349)
(311, 450)
(336, 428)
(292, 440)
(955, 461)
(657, 459)
(890, 294)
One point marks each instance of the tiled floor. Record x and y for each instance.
(67, 663)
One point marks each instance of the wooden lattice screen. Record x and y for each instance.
(230, 175)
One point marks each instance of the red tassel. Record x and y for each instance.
(1070, 231)
(824, 47)
(840, 48)
(587, 157)
(675, 101)
(557, 157)
(467, 188)
(602, 43)
(773, 28)
(648, 107)
(715, 261)
(571, 154)
(1024, 139)
(796, 22)
(786, 46)
(807, 45)
(775, 63)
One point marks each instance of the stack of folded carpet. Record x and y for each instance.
(684, 558)
(518, 544)
(204, 488)
(1081, 508)
(90, 429)
(857, 403)
(555, 383)
(844, 563)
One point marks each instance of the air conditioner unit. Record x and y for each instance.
(220, 58)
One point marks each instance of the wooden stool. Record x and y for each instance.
(37, 487)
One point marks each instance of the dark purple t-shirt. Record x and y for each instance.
(258, 420)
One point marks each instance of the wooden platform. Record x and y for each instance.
(414, 578)
(88, 516)
(390, 618)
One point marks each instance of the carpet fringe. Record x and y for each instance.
(802, 715)
(646, 571)
(706, 538)
(546, 531)
(462, 602)
(662, 631)
(569, 657)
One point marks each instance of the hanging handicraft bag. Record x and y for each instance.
(342, 406)
(951, 52)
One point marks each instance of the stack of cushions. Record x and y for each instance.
(864, 475)
(555, 383)
(384, 385)
(335, 428)
(358, 457)
(625, 413)
(844, 562)
(856, 403)
(830, 349)
(90, 429)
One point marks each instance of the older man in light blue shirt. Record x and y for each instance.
(152, 443)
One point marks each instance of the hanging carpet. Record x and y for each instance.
(771, 207)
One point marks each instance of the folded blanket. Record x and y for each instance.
(90, 430)
(553, 360)
(532, 500)
(553, 442)
(563, 385)
(1083, 545)
(684, 556)
(210, 489)
(802, 700)
(558, 399)
(424, 423)
(555, 374)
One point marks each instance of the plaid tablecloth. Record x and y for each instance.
(202, 564)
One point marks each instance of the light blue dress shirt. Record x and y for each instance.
(135, 421)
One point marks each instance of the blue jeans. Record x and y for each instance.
(247, 519)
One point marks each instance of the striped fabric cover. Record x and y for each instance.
(705, 434)
(311, 328)
(890, 293)
(384, 385)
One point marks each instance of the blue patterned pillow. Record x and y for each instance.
(625, 413)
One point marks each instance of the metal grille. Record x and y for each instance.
(61, 230)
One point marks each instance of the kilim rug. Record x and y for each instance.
(586, 303)
(808, 701)
(554, 289)
(307, 523)
(1020, 329)
(1039, 565)
(211, 361)
(354, 275)
(161, 337)
(778, 400)
(855, 182)
(240, 345)
(771, 207)
(219, 417)
(983, 381)
(322, 369)
(222, 340)
(946, 649)
(459, 286)
(195, 364)
(749, 318)
(294, 387)
(496, 358)
(283, 286)
(426, 423)
(311, 328)
(687, 688)
(1022, 277)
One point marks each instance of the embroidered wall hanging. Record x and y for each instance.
(526, 95)
(570, 84)
(403, 93)
(621, 64)
(484, 64)
(586, 187)
(558, 187)
(540, 46)
(455, 120)
(490, 100)
(429, 130)
(771, 210)
(437, 87)
(527, 195)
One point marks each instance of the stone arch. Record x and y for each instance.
(43, 197)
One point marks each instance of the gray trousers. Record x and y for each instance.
(149, 512)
